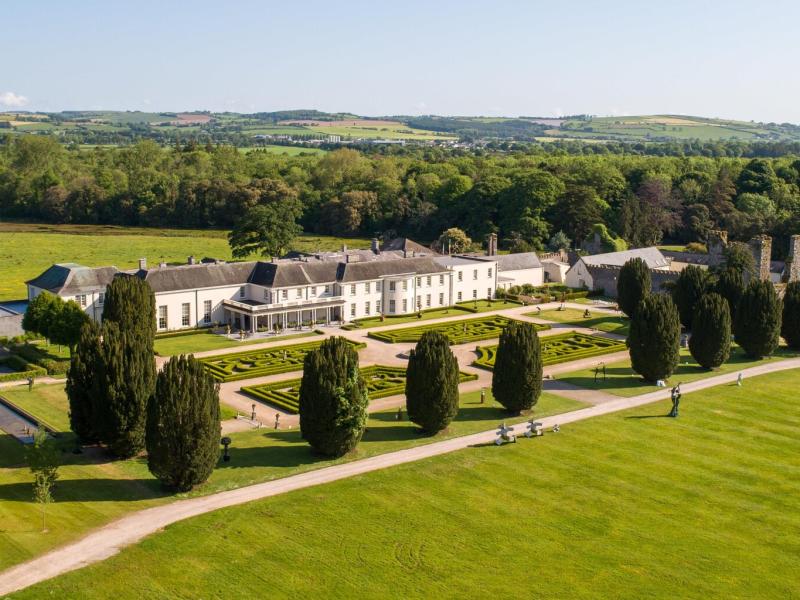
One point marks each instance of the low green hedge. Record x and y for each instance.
(34, 355)
(260, 363)
(459, 332)
(382, 381)
(22, 369)
(183, 332)
(587, 347)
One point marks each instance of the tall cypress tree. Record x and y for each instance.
(757, 325)
(710, 343)
(432, 383)
(790, 327)
(633, 285)
(730, 285)
(183, 428)
(517, 376)
(655, 337)
(82, 384)
(689, 288)
(333, 398)
(128, 367)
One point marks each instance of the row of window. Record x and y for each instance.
(475, 274)
(81, 299)
(186, 318)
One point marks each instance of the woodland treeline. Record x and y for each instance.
(524, 197)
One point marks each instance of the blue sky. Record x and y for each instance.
(719, 59)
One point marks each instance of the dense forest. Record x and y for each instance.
(525, 197)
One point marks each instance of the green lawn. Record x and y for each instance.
(438, 313)
(28, 249)
(202, 341)
(93, 490)
(48, 403)
(629, 505)
(560, 348)
(381, 380)
(622, 381)
(571, 316)
(459, 332)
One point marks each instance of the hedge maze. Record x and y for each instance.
(560, 348)
(259, 363)
(381, 381)
(459, 332)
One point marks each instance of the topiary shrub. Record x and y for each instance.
(517, 376)
(633, 285)
(790, 327)
(710, 343)
(757, 325)
(689, 288)
(333, 398)
(432, 383)
(655, 337)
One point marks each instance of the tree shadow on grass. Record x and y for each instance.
(89, 490)
(280, 457)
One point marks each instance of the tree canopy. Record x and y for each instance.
(633, 284)
(432, 383)
(654, 338)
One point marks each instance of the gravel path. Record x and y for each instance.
(110, 539)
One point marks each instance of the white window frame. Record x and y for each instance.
(163, 316)
(186, 314)
(207, 308)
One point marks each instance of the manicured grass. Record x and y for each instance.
(381, 380)
(259, 363)
(622, 381)
(48, 403)
(26, 250)
(598, 320)
(203, 341)
(488, 305)
(559, 349)
(459, 332)
(93, 490)
(628, 505)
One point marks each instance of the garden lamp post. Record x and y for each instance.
(226, 441)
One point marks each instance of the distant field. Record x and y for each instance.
(288, 150)
(661, 126)
(28, 249)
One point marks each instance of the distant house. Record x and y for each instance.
(600, 271)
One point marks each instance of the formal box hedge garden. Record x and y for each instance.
(260, 363)
(560, 348)
(459, 332)
(382, 381)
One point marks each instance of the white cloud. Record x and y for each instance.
(13, 100)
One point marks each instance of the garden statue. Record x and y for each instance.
(505, 435)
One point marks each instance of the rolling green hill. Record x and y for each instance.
(120, 127)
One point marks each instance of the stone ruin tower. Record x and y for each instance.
(761, 247)
(716, 244)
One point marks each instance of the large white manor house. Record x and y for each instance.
(398, 278)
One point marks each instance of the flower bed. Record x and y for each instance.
(459, 332)
(381, 382)
(560, 348)
(259, 363)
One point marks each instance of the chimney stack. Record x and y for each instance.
(794, 258)
(191, 260)
(142, 264)
(761, 247)
(344, 248)
(491, 246)
(405, 254)
(162, 265)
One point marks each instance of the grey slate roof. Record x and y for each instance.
(71, 278)
(189, 277)
(517, 262)
(365, 271)
(285, 274)
(452, 261)
(652, 256)
(404, 244)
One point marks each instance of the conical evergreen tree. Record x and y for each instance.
(730, 285)
(517, 376)
(130, 302)
(689, 288)
(82, 384)
(333, 398)
(183, 428)
(128, 374)
(633, 285)
(757, 325)
(710, 343)
(655, 337)
(790, 327)
(432, 383)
